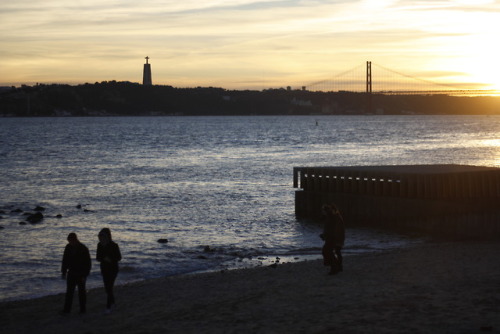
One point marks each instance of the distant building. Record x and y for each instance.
(302, 103)
(146, 75)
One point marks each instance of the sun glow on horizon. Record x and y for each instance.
(252, 44)
(479, 58)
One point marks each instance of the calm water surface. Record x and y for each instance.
(222, 182)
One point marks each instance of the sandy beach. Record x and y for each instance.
(429, 288)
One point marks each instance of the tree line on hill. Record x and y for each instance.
(112, 98)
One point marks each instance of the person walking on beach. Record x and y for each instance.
(76, 264)
(108, 254)
(334, 237)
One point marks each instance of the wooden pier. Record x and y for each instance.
(451, 200)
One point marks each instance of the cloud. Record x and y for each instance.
(232, 41)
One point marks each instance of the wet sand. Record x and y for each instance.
(429, 288)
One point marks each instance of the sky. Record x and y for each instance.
(248, 44)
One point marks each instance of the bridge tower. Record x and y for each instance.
(146, 75)
(368, 87)
(369, 77)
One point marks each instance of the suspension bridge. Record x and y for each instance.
(377, 79)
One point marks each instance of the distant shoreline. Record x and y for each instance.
(111, 98)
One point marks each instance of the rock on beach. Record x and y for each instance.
(35, 218)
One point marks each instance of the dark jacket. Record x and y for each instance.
(76, 260)
(334, 230)
(111, 251)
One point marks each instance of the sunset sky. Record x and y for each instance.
(242, 44)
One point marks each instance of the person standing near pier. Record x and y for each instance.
(334, 237)
(108, 254)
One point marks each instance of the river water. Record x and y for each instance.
(220, 189)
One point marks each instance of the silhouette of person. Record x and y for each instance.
(76, 264)
(108, 254)
(334, 237)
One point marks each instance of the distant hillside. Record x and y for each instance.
(130, 99)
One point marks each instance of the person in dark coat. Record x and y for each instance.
(108, 254)
(334, 237)
(76, 265)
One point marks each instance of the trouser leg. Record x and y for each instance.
(338, 255)
(327, 254)
(70, 290)
(82, 294)
(109, 282)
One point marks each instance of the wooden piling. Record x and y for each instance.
(457, 200)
